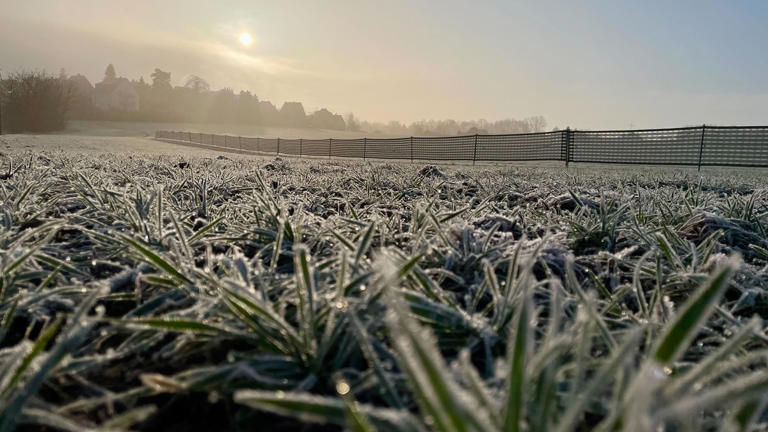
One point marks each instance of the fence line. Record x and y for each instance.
(743, 146)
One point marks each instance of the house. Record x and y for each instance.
(116, 94)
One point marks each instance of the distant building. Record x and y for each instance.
(117, 94)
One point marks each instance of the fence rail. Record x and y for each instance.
(744, 146)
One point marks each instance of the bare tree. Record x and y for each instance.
(352, 123)
(537, 123)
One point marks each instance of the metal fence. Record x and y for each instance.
(745, 146)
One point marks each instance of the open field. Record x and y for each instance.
(147, 129)
(140, 289)
(94, 145)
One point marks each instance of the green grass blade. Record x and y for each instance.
(318, 409)
(437, 393)
(175, 325)
(155, 259)
(305, 290)
(365, 243)
(520, 344)
(36, 350)
(202, 231)
(688, 320)
(600, 379)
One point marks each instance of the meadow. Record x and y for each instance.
(147, 129)
(142, 290)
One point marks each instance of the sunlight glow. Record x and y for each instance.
(246, 39)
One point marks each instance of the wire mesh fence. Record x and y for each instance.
(745, 146)
(665, 146)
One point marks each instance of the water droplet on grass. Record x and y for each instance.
(342, 387)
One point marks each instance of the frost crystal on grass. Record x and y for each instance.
(386, 296)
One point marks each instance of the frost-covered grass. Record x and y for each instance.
(147, 129)
(232, 294)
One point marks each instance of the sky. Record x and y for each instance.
(587, 64)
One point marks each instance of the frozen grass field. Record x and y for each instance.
(147, 129)
(143, 290)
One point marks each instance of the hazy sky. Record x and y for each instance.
(587, 64)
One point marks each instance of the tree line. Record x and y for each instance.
(39, 102)
(33, 102)
(118, 98)
(453, 127)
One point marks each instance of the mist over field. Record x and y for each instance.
(589, 67)
(406, 217)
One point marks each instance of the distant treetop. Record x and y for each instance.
(196, 83)
(161, 79)
(109, 74)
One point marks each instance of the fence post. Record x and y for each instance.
(411, 149)
(701, 145)
(330, 146)
(301, 146)
(278, 146)
(365, 146)
(474, 152)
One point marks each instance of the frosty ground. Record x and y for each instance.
(152, 286)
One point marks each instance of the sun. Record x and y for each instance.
(246, 39)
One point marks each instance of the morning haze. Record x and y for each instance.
(391, 216)
(593, 64)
